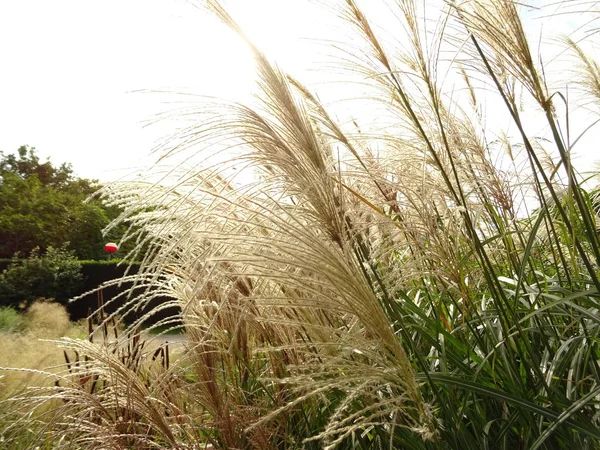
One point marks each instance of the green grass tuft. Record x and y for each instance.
(11, 320)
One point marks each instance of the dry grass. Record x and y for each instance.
(48, 320)
(29, 350)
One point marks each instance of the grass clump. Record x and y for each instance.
(10, 320)
(399, 276)
(47, 319)
(27, 361)
(27, 347)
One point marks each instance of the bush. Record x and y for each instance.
(56, 274)
(10, 320)
(4, 263)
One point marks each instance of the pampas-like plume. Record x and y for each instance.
(498, 25)
(587, 73)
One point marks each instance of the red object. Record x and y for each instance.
(111, 247)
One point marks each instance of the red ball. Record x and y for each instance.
(111, 247)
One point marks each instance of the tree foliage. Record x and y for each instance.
(42, 205)
(26, 164)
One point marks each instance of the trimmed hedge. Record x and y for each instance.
(94, 274)
(97, 272)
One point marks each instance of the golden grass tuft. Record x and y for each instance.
(47, 319)
(29, 349)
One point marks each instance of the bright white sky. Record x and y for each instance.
(69, 68)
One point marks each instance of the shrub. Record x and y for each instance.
(56, 274)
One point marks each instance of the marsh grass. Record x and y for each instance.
(405, 279)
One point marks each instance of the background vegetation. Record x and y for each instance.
(45, 206)
(52, 234)
(56, 275)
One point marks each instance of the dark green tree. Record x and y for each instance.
(26, 164)
(46, 206)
